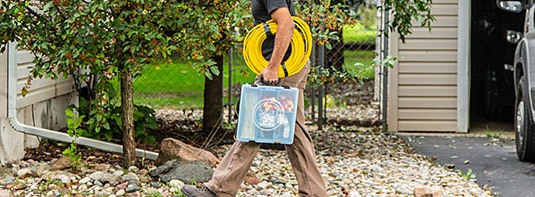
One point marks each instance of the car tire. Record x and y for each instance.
(494, 104)
(524, 128)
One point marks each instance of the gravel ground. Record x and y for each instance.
(353, 157)
(359, 163)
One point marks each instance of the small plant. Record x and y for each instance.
(153, 194)
(494, 134)
(105, 122)
(49, 184)
(389, 61)
(468, 175)
(176, 191)
(74, 121)
(228, 126)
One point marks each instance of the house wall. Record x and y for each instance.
(45, 103)
(43, 106)
(423, 84)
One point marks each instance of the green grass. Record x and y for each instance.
(366, 69)
(359, 34)
(166, 78)
(179, 86)
(170, 85)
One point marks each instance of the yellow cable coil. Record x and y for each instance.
(301, 47)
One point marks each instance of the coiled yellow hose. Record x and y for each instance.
(301, 47)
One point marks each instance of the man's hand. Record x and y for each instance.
(270, 75)
(283, 37)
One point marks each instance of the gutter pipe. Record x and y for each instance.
(50, 134)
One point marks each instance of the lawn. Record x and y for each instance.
(179, 86)
(358, 34)
(364, 69)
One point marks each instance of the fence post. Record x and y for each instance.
(313, 89)
(384, 74)
(321, 114)
(230, 72)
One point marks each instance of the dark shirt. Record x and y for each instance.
(261, 10)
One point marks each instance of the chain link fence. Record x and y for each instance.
(176, 86)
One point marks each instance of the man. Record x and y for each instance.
(234, 166)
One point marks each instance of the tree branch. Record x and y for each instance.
(61, 13)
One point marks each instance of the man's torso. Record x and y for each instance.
(261, 9)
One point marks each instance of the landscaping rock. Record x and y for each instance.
(102, 167)
(61, 163)
(132, 188)
(185, 171)
(41, 168)
(4, 171)
(26, 172)
(131, 178)
(175, 149)
(425, 191)
(251, 180)
(96, 175)
(6, 193)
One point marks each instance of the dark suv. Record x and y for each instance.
(524, 78)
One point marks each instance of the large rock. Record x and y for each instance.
(175, 149)
(185, 171)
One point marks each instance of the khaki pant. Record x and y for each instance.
(230, 173)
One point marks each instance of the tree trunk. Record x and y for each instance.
(213, 99)
(127, 103)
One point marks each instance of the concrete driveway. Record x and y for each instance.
(491, 155)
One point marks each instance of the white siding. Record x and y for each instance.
(423, 84)
(40, 89)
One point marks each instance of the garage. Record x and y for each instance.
(494, 36)
(458, 76)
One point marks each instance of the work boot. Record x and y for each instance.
(192, 191)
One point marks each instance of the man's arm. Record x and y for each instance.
(285, 28)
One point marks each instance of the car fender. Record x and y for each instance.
(520, 62)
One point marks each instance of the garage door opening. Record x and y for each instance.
(494, 35)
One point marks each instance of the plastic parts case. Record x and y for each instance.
(267, 114)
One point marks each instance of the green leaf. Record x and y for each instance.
(47, 6)
(108, 136)
(106, 126)
(69, 112)
(328, 46)
(153, 125)
(150, 139)
(214, 70)
(208, 75)
(91, 121)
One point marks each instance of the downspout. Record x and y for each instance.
(50, 134)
